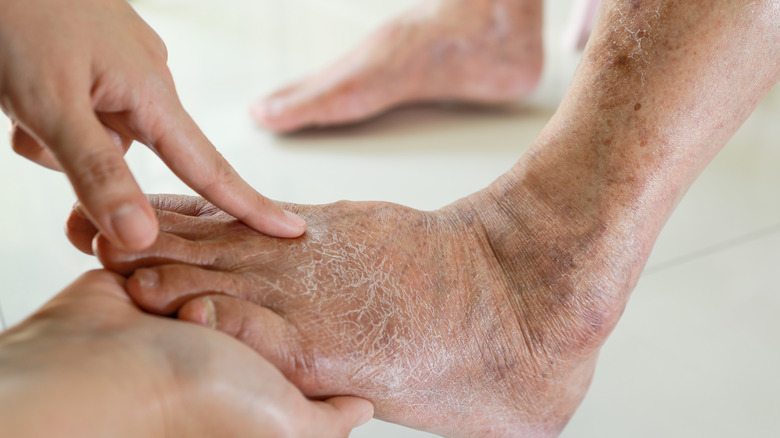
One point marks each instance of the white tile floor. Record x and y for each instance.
(697, 351)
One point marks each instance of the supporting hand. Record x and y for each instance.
(90, 364)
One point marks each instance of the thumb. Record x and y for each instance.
(339, 415)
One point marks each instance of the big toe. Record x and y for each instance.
(261, 329)
(314, 104)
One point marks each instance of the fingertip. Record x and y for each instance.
(366, 417)
(275, 222)
(355, 411)
(134, 228)
(367, 412)
(295, 224)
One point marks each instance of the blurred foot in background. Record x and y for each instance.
(483, 51)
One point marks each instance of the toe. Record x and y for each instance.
(276, 113)
(355, 88)
(193, 227)
(337, 416)
(167, 249)
(185, 205)
(340, 101)
(164, 289)
(189, 217)
(258, 327)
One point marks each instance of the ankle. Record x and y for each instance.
(562, 300)
(571, 260)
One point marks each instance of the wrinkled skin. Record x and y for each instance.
(90, 364)
(483, 318)
(412, 310)
(485, 51)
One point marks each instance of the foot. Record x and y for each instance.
(486, 51)
(466, 321)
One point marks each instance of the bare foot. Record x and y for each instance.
(487, 51)
(465, 322)
(483, 318)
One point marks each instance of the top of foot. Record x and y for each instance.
(485, 51)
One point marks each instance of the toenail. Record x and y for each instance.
(148, 278)
(210, 313)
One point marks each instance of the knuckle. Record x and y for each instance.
(162, 49)
(98, 168)
(162, 78)
(221, 175)
(150, 113)
(154, 41)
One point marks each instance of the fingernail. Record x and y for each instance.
(210, 313)
(365, 418)
(134, 229)
(148, 278)
(295, 220)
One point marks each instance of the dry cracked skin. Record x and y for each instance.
(483, 318)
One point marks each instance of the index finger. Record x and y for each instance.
(194, 159)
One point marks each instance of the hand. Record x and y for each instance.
(80, 81)
(90, 364)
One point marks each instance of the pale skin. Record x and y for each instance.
(483, 51)
(91, 364)
(484, 318)
(80, 81)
